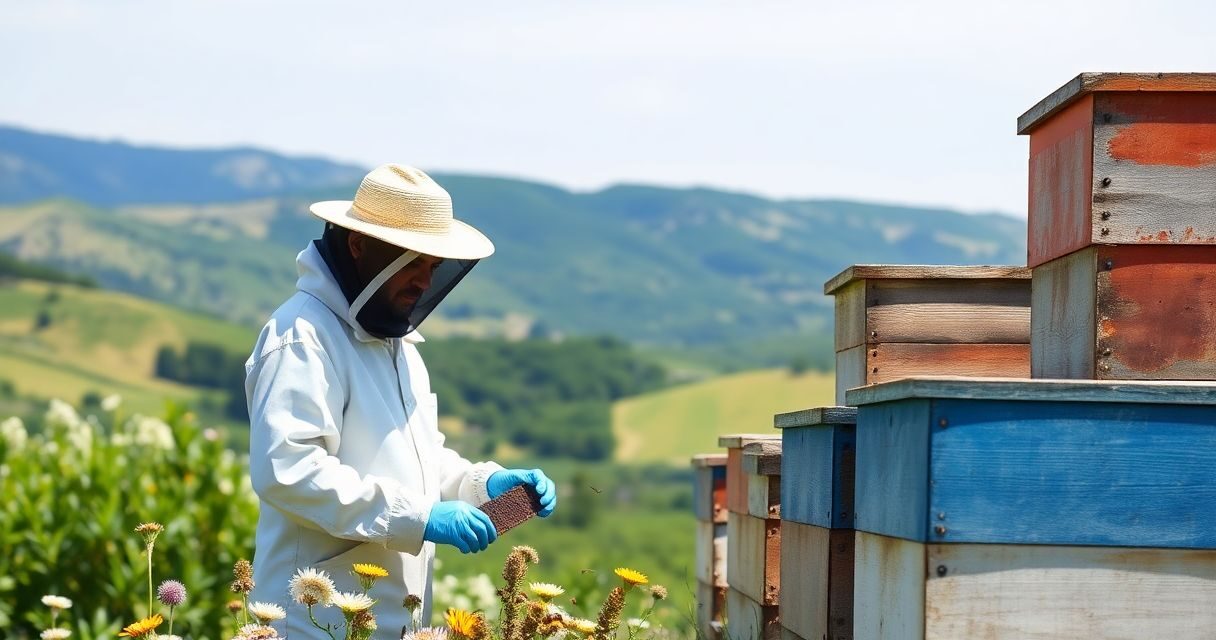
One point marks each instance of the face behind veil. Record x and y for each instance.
(366, 282)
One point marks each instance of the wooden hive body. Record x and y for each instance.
(1035, 509)
(895, 321)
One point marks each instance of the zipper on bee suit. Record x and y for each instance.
(397, 354)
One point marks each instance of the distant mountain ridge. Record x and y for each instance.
(39, 165)
(653, 265)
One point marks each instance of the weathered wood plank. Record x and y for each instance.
(850, 315)
(887, 362)
(1087, 83)
(805, 575)
(1158, 311)
(920, 272)
(1042, 592)
(1155, 168)
(818, 469)
(841, 582)
(850, 370)
(1035, 472)
(1061, 178)
(889, 589)
(1133, 391)
(764, 495)
(711, 550)
(711, 609)
(740, 440)
(736, 481)
(815, 416)
(746, 618)
(709, 492)
(893, 468)
(940, 310)
(753, 548)
(1062, 322)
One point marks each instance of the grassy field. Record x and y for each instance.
(98, 341)
(673, 424)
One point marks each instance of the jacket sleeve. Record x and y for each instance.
(295, 409)
(460, 479)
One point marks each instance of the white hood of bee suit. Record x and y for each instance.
(345, 454)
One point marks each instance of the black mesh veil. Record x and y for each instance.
(375, 311)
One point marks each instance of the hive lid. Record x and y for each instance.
(740, 440)
(923, 272)
(1087, 83)
(964, 388)
(702, 460)
(817, 416)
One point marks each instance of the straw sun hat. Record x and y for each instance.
(403, 206)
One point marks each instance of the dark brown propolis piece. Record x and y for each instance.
(512, 508)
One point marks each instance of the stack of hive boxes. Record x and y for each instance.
(753, 539)
(1049, 508)
(709, 507)
(817, 524)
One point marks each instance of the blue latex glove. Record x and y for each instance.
(461, 525)
(503, 481)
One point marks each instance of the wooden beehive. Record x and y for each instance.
(753, 542)
(1035, 509)
(1122, 228)
(895, 321)
(817, 517)
(709, 506)
(1122, 158)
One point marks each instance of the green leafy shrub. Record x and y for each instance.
(75, 490)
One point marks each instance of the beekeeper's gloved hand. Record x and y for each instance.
(461, 525)
(503, 481)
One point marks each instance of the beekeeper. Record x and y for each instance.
(344, 450)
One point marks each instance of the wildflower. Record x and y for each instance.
(351, 603)
(610, 614)
(255, 632)
(267, 612)
(57, 603)
(242, 571)
(513, 572)
(152, 433)
(13, 433)
(362, 625)
(546, 591)
(368, 574)
(171, 593)
(148, 531)
(658, 592)
(55, 634)
(460, 622)
(143, 628)
(310, 587)
(412, 603)
(581, 625)
(111, 402)
(638, 623)
(631, 577)
(235, 606)
(427, 633)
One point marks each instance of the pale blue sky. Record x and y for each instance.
(911, 102)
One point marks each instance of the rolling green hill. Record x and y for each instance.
(673, 424)
(98, 341)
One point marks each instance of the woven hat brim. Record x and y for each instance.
(461, 242)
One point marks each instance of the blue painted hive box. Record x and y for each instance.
(1003, 508)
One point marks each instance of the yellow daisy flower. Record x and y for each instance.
(142, 628)
(545, 590)
(461, 622)
(368, 574)
(631, 577)
(370, 570)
